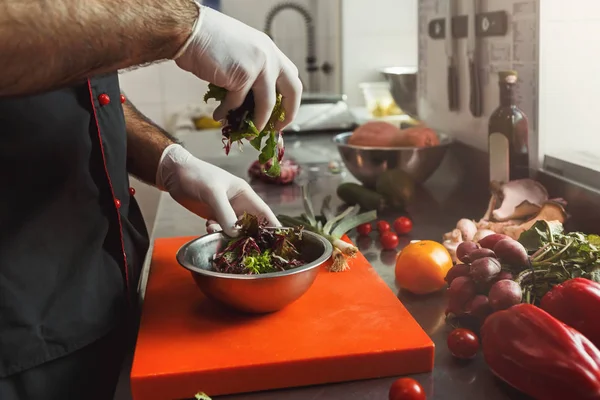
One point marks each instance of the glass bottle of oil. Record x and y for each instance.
(508, 135)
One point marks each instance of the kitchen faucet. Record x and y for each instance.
(311, 56)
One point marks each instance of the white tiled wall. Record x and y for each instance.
(570, 81)
(161, 89)
(376, 34)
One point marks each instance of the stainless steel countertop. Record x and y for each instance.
(445, 198)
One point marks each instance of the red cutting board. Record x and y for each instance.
(348, 326)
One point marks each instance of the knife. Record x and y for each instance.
(475, 102)
(453, 96)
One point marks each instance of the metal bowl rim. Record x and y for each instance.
(445, 141)
(314, 264)
(398, 70)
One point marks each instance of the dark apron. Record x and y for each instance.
(72, 241)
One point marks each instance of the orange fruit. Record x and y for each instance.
(422, 266)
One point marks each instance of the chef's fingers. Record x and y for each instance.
(201, 209)
(212, 226)
(250, 202)
(265, 97)
(223, 212)
(271, 218)
(232, 101)
(290, 87)
(266, 213)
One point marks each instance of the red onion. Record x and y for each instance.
(289, 172)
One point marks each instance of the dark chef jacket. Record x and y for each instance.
(72, 237)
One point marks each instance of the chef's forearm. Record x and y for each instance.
(45, 44)
(145, 144)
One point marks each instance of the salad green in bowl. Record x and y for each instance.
(262, 270)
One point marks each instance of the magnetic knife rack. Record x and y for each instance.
(487, 24)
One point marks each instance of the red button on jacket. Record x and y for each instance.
(123, 99)
(132, 191)
(117, 203)
(103, 99)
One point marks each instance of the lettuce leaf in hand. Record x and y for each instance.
(239, 125)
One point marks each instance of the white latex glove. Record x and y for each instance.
(209, 191)
(232, 55)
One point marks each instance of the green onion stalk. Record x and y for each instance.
(331, 226)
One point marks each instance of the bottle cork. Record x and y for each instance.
(508, 76)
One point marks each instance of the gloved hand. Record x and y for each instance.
(209, 191)
(232, 55)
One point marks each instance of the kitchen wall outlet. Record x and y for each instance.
(516, 49)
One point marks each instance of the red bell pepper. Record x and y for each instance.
(537, 354)
(576, 302)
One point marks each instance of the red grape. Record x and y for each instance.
(462, 289)
(456, 271)
(503, 275)
(479, 307)
(479, 253)
(484, 269)
(464, 249)
(490, 241)
(505, 294)
(512, 252)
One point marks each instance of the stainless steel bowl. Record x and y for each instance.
(367, 163)
(255, 294)
(403, 86)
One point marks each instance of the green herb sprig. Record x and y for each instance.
(556, 256)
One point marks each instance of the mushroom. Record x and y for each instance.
(451, 244)
(521, 203)
(467, 228)
(520, 199)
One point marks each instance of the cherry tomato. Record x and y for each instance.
(406, 389)
(383, 226)
(463, 343)
(364, 229)
(403, 225)
(389, 240)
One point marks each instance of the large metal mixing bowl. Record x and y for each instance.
(253, 293)
(403, 86)
(367, 163)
